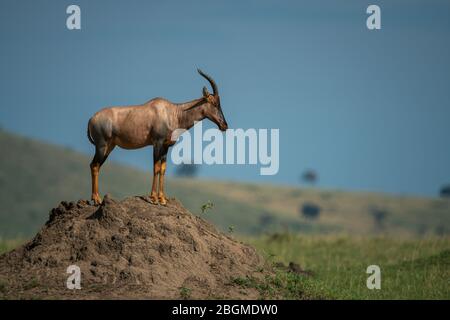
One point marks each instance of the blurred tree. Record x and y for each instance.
(266, 219)
(445, 191)
(379, 216)
(310, 210)
(187, 170)
(441, 230)
(309, 177)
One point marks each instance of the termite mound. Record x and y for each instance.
(129, 249)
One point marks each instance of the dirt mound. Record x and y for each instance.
(129, 249)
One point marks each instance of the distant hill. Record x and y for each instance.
(36, 176)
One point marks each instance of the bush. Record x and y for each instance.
(266, 219)
(187, 170)
(310, 210)
(379, 216)
(445, 191)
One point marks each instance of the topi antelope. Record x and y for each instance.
(152, 123)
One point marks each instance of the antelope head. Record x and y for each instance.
(212, 109)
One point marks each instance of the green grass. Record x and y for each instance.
(185, 293)
(410, 269)
(282, 285)
(8, 245)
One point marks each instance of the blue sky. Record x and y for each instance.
(368, 110)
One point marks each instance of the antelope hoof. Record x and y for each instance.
(153, 199)
(162, 200)
(96, 198)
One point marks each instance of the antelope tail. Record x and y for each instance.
(89, 135)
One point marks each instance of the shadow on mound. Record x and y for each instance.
(129, 249)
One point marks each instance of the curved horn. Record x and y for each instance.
(211, 81)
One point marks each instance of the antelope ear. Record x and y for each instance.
(205, 92)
